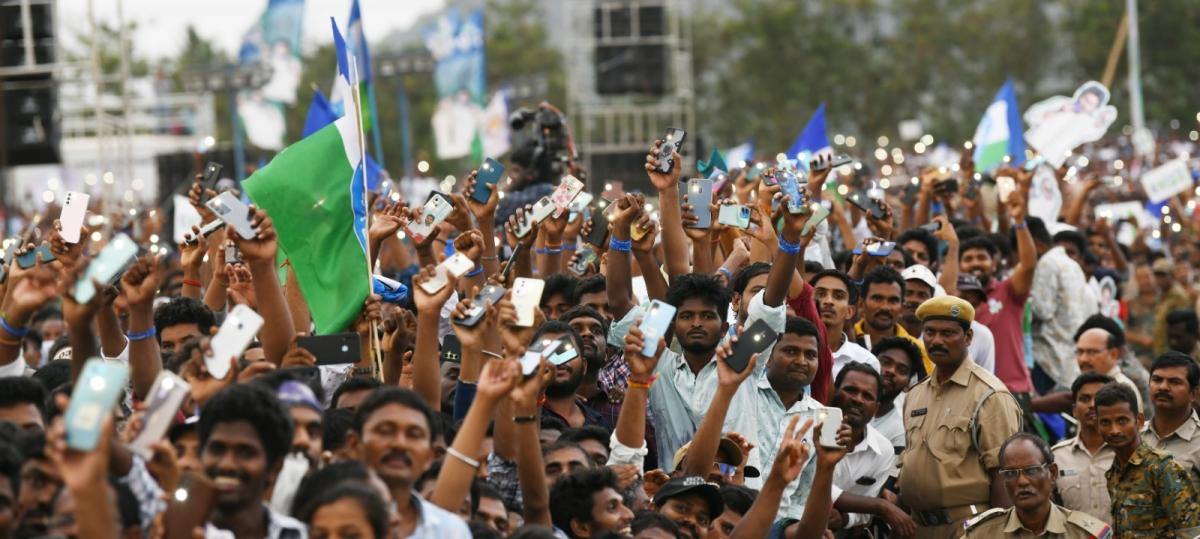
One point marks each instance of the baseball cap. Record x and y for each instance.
(692, 484)
(921, 273)
(970, 283)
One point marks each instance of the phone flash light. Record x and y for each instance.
(97, 383)
(168, 384)
(181, 495)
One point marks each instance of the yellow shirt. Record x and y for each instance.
(860, 332)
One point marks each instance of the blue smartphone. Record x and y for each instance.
(655, 324)
(489, 174)
(96, 392)
(699, 195)
(789, 185)
(106, 267)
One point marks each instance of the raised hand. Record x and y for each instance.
(515, 337)
(80, 470)
(388, 220)
(521, 215)
(460, 216)
(140, 283)
(191, 255)
(525, 395)
(625, 211)
(194, 195)
(726, 376)
(497, 379)
(554, 227)
(640, 366)
(472, 337)
(66, 253)
(470, 243)
(883, 227)
(265, 243)
(793, 451)
(645, 244)
(662, 181)
(425, 301)
(829, 456)
(241, 285)
(818, 170)
(74, 312)
(485, 212)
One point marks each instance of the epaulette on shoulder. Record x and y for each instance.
(1090, 524)
(983, 517)
(1063, 443)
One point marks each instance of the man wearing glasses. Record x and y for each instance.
(1097, 350)
(1028, 472)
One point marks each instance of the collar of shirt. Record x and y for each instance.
(1076, 444)
(590, 416)
(15, 368)
(433, 521)
(1185, 431)
(1055, 524)
(961, 376)
(875, 441)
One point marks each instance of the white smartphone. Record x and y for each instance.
(542, 209)
(526, 295)
(73, 212)
(457, 265)
(567, 189)
(166, 395)
(1005, 186)
(536, 351)
(435, 210)
(106, 267)
(830, 420)
(235, 214)
(819, 213)
(239, 328)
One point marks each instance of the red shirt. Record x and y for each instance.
(804, 306)
(1002, 314)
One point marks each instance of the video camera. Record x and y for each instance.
(547, 147)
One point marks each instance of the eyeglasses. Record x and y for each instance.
(1032, 472)
(726, 469)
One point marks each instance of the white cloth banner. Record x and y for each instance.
(1167, 181)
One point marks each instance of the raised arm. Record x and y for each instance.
(426, 371)
(703, 451)
(454, 481)
(1022, 275)
(643, 252)
(619, 272)
(949, 277)
(259, 256)
(26, 292)
(139, 285)
(191, 259)
(793, 453)
(485, 220)
(631, 422)
(675, 242)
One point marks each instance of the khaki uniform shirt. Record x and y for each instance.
(940, 468)
(1081, 479)
(1152, 497)
(1183, 445)
(1062, 524)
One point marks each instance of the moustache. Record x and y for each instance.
(397, 454)
(941, 349)
(1025, 491)
(1162, 394)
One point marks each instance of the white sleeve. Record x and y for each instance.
(776, 317)
(623, 454)
(122, 356)
(983, 347)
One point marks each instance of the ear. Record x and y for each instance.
(725, 328)
(1053, 469)
(852, 313)
(579, 529)
(353, 446)
(970, 334)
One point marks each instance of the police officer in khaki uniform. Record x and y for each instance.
(1028, 471)
(955, 422)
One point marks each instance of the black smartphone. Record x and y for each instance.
(599, 231)
(190, 505)
(947, 186)
(488, 295)
(212, 172)
(835, 162)
(865, 203)
(753, 340)
(672, 142)
(451, 349)
(910, 193)
(506, 273)
(206, 230)
(28, 259)
(335, 349)
(931, 227)
(972, 191)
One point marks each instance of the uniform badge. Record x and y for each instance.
(955, 311)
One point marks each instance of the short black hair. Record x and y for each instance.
(1114, 393)
(646, 520)
(584, 311)
(978, 242)
(587, 432)
(1037, 229)
(882, 275)
(394, 395)
(555, 326)
(256, 405)
(15, 390)
(335, 423)
(1171, 358)
(324, 479)
(851, 288)
(1085, 379)
(738, 498)
(571, 496)
(910, 349)
(1043, 447)
(354, 383)
(183, 310)
(273, 379)
(10, 456)
(701, 286)
(561, 444)
(558, 284)
(588, 285)
(1187, 317)
(741, 279)
(366, 498)
(1073, 237)
(801, 327)
(858, 366)
(53, 374)
(924, 236)
(1116, 333)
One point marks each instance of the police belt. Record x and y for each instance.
(940, 517)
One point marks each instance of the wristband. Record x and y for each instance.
(525, 419)
(548, 251)
(623, 246)
(475, 272)
(491, 354)
(493, 257)
(14, 331)
(728, 274)
(643, 385)
(193, 282)
(465, 459)
(142, 335)
(1020, 226)
(789, 248)
(556, 246)
(569, 246)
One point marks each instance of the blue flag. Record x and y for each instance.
(321, 114)
(812, 140)
(1000, 131)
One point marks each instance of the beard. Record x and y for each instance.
(700, 347)
(558, 389)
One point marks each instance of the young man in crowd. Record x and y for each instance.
(835, 297)
(900, 365)
(1175, 427)
(881, 305)
(1084, 459)
(587, 503)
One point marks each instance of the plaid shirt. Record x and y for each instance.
(146, 490)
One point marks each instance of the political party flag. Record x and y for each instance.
(273, 41)
(1000, 131)
(457, 46)
(496, 134)
(740, 154)
(715, 163)
(321, 114)
(813, 141)
(314, 192)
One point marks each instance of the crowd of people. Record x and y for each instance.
(995, 374)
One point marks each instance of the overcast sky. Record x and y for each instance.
(162, 23)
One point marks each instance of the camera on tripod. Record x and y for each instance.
(549, 138)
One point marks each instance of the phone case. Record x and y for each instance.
(534, 354)
(239, 328)
(235, 214)
(29, 259)
(435, 210)
(1005, 186)
(881, 249)
(206, 230)
(166, 395)
(819, 213)
(564, 352)
(96, 392)
(581, 202)
(458, 264)
(565, 193)
(527, 294)
(735, 215)
(586, 258)
(830, 419)
(672, 142)
(73, 212)
(699, 195)
(212, 172)
(753, 340)
(599, 231)
(334, 349)
(489, 174)
(232, 255)
(789, 184)
(542, 209)
(112, 260)
(489, 295)
(655, 325)
(190, 505)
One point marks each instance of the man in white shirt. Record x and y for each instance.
(836, 297)
(860, 475)
(900, 363)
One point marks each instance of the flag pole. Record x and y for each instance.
(376, 349)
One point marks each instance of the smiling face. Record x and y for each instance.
(698, 326)
(793, 362)
(235, 459)
(881, 305)
(977, 262)
(690, 512)
(1031, 488)
(858, 398)
(397, 444)
(609, 514)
